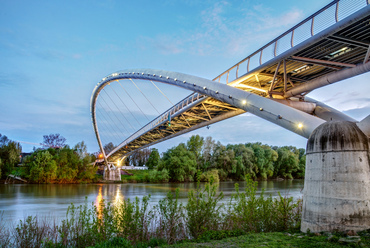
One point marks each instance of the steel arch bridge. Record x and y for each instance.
(329, 46)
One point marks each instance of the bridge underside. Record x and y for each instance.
(296, 72)
(203, 112)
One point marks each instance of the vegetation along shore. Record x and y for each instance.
(198, 157)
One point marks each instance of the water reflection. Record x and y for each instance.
(119, 196)
(99, 203)
(20, 200)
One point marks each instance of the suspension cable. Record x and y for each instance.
(144, 96)
(161, 92)
(114, 115)
(111, 130)
(121, 112)
(131, 99)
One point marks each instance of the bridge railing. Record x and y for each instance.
(314, 24)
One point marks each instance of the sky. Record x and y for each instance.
(53, 53)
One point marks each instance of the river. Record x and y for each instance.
(18, 201)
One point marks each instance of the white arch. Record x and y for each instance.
(289, 118)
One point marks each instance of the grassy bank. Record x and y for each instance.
(139, 176)
(280, 239)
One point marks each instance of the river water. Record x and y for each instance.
(17, 201)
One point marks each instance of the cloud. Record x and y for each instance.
(221, 31)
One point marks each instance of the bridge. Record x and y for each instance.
(331, 45)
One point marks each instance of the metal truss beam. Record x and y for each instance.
(325, 62)
(328, 79)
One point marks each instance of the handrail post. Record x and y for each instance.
(312, 23)
(261, 57)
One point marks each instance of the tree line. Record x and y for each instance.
(206, 158)
(56, 162)
(198, 157)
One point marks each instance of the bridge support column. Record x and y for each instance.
(112, 173)
(336, 192)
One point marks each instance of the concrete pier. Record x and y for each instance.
(336, 192)
(112, 173)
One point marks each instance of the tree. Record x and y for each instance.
(287, 162)
(180, 163)
(140, 157)
(43, 168)
(224, 160)
(153, 160)
(264, 157)
(54, 140)
(108, 147)
(244, 156)
(81, 149)
(194, 145)
(208, 150)
(9, 154)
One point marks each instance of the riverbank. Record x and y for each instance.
(133, 176)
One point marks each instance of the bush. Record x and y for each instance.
(210, 176)
(133, 220)
(250, 213)
(203, 209)
(33, 233)
(171, 220)
(156, 176)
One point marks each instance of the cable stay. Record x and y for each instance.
(131, 99)
(112, 119)
(112, 130)
(144, 96)
(121, 112)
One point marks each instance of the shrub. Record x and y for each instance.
(156, 176)
(209, 176)
(171, 222)
(133, 220)
(250, 213)
(203, 209)
(33, 233)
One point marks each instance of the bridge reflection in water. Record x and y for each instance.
(21, 200)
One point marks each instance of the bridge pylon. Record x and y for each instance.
(112, 172)
(336, 192)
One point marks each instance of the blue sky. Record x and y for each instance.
(54, 52)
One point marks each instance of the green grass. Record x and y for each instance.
(139, 176)
(275, 239)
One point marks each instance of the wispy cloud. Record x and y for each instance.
(221, 31)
